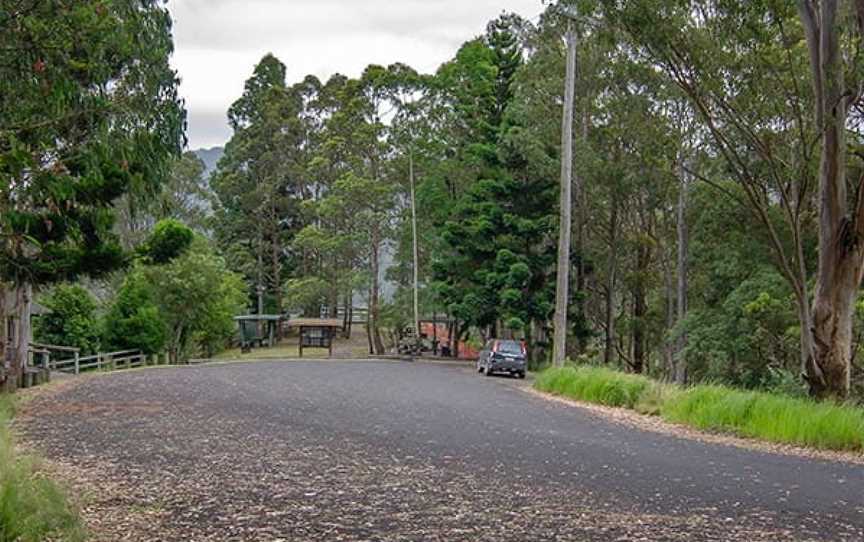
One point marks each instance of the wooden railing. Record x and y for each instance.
(110, 361)
(76, 364)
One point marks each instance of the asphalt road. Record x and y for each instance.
(402, 451)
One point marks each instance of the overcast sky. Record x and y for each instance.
(218, 43)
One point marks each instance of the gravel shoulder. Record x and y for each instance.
(400, 451)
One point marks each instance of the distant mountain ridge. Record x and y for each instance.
(211, 158)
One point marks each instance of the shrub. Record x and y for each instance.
(71, 321)
(185, 306)
(133, 321)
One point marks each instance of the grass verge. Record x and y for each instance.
(594, 385)
(763, 416)
(32, 507)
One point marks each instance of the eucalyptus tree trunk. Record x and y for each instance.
(669, 345)
(22, 333)
(611, 283)
(640, 310)
(841, 251)
(276, 262)
(369, 334)
(260, 287)
(680, 358)
(416, 266)
(374, 294)
(581, 227)
(562, 292)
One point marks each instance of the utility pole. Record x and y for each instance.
(416, 248)
(562, 293)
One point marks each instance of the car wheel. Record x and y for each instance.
(521, 375)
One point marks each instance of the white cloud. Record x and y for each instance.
(218, 42)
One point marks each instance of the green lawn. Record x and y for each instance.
(354, 348)
(290, 351)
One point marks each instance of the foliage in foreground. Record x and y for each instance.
(765, 416)
(32, 508)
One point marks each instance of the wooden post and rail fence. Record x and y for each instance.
(51, 358)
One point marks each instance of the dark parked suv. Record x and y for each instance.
(500, 356)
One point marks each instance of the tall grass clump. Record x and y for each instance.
(594, 385)
(32, 508)
(713, 408)
(766, 416)
(775, 418)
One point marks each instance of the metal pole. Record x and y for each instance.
(562, 294)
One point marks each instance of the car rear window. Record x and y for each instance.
(509, 347)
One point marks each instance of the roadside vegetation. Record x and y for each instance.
(772, 417)
(32, 507)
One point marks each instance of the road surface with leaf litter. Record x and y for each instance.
(399, 451)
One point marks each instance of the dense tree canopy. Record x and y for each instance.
(88, 112)
(697, 151)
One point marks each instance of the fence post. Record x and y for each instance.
(77, 363)
(99, 361)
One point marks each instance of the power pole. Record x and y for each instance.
(562, 294)
(416, 248)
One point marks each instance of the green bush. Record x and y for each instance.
(134, 321)
(186, 306)
(766, 416)
(170, 239)
(72, 319)
(32, 508)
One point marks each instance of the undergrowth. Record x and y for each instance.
(765, 416)
(32, 507)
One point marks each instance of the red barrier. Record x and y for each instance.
(428, 329)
